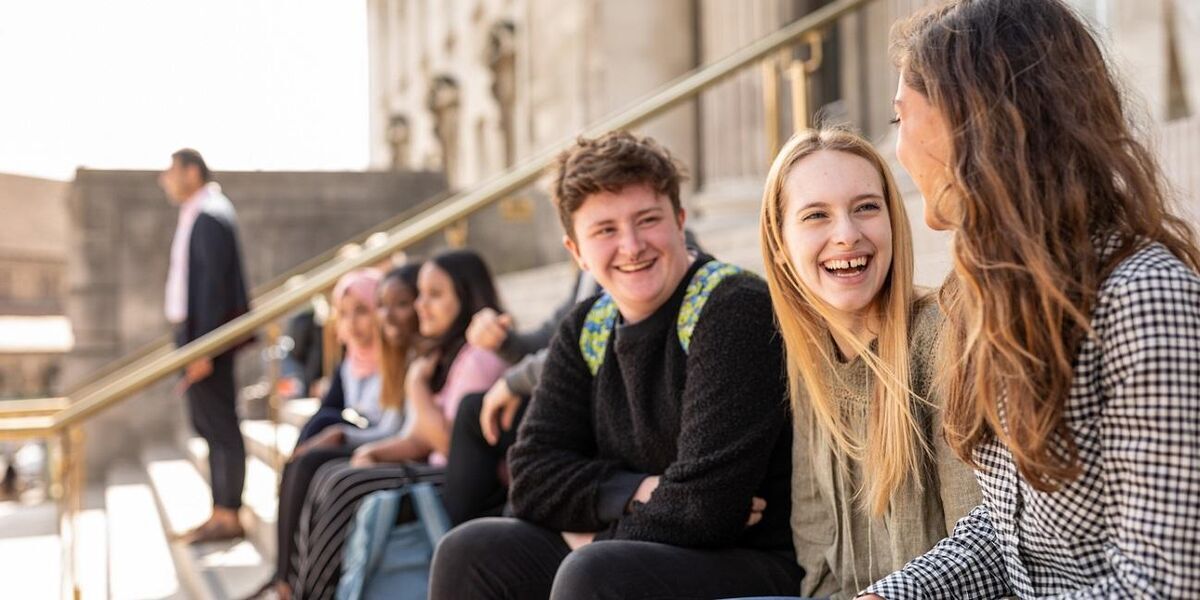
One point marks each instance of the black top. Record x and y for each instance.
(713, 422)
(216, 292)
(308, 350)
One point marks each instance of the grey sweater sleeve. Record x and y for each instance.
(523, 377)
(517, 346)
(388, 425)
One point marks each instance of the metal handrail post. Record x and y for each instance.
(770, 93)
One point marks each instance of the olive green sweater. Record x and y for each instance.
(841, 547)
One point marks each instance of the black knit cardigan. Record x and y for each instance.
(713, 422)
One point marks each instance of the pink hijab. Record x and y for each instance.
(363, 285)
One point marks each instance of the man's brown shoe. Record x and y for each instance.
(213, 531)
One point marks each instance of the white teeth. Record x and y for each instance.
(634, 267)
(860, 261)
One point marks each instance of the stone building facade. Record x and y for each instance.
(468, 88)
(471, 86)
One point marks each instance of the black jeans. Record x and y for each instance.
(293, 488)
(212, 408)
(473, 486)
(510, 559)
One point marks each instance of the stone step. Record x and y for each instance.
(92, 560)
(221, 569)
(31, 549)
(259, 497)
(141, 561)
(531, 296)
(297, 412)
(269, 442)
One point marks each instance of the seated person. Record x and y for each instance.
(476, 475)
(655, 457)
(302, 366)
(451, 287)
(874, 483)
(484, 430)
(356, 381)
(1070, 356)
(396, 320)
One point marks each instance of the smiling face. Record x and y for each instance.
(836, 229)
(437, 304)
(923, 148)
(632, 243)
(397, 313)
(356, 321)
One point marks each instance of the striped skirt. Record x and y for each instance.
(326, 517)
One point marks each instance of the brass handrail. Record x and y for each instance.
(32, 407)
(163, 343)
(14, 428)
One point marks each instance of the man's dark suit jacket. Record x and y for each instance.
(216, 292)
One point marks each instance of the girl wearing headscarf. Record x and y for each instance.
(377, 322)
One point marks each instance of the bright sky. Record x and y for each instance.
(120, 84)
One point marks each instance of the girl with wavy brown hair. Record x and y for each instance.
(1071, 356)
(872, 486)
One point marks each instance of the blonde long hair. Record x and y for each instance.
(897, 447)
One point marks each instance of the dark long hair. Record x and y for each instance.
(394, 361)
(1047, 170)
(476, 290)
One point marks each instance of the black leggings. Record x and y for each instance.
(510, 559)
(473, 485)
(297, 477)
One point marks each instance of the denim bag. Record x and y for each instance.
(385, 560)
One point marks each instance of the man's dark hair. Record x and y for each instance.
(187, 157)
(610, 163)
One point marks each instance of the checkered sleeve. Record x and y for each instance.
(968, 564)
(1150, 431)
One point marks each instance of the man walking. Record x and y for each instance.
(205, 289)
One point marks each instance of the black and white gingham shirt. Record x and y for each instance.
(1129, 526)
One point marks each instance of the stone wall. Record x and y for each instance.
(121, 227)
(32, 245)
(577, 60)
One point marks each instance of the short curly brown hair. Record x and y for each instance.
(611, 163)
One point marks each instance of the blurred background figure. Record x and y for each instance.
(206, 289)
